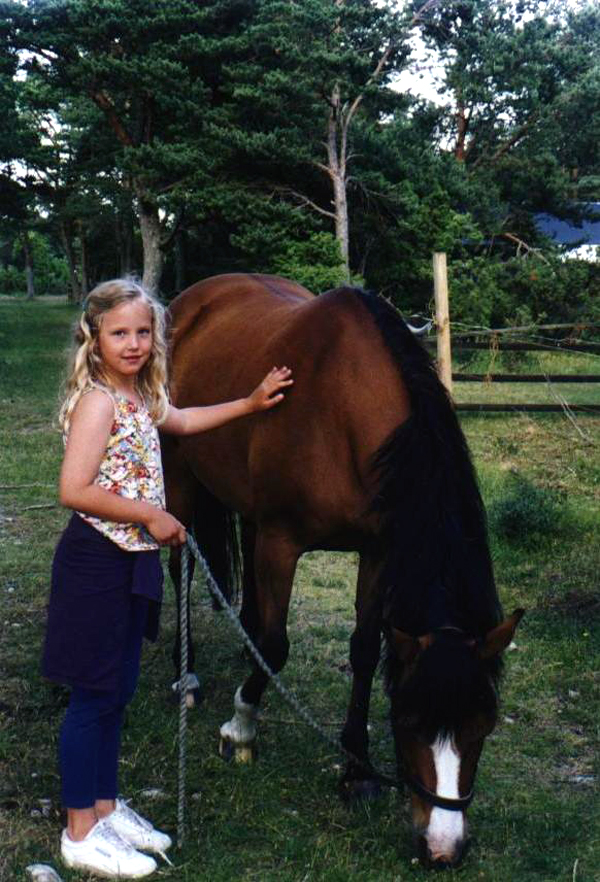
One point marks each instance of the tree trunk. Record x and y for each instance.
(84, 260)
(151, 236)
(462, 125)
(336, 157)
(28, 266)
(180, 261)
(341, 220)
(124, 235)
(74, 295)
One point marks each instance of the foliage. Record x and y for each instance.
(520, 291)
(314, 263)
(198, 138)
(50, 268)
(526, 512)
(12, 280)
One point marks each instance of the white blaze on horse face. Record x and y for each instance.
(446, 828)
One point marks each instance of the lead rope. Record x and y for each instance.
(285, 693)
(184, 596)
(287, 696)
(449, 804)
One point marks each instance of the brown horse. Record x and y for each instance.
(365, 453)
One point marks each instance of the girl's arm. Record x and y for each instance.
(88, 435)
(189, 420)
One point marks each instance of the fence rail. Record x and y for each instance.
(535, 408)
(471, 339)
(526, 378)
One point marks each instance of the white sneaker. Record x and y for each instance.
(137, 830)
(105, 853)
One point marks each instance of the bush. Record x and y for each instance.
(50, 270)
(12, 280)
(526, 512)
(520, 291)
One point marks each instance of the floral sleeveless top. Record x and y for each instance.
(131, 467)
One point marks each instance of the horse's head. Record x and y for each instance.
(443, 689)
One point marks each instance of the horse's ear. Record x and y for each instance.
(496, 640)
(405, 646)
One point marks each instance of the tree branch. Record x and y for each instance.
(321, 165)
(101, 99)
(357, 101)
(304, 201)
(417, 17)
(522, 244)
(508, 145)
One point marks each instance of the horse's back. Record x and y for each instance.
(312, 454)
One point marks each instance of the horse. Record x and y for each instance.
(365, 454)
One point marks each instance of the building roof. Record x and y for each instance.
(564, 232)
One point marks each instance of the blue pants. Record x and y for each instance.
(90, 735)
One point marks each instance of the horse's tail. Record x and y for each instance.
(216, 533)
(429, 497)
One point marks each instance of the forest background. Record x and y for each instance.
(178, 139)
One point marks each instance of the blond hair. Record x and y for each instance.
(86, 369)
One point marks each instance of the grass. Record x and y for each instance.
(536, 816)
(537, 362)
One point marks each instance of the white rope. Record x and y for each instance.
(186, 680)
(184, 595)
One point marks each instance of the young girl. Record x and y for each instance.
(106, 574)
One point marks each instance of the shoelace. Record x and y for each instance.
(133, 816)
(106, 832)
(136, 819)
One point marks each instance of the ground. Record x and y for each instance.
(536, 814)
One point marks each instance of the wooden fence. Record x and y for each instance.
(473, 340)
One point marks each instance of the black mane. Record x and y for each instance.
(438, 569)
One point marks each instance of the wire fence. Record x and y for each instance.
(525, 339)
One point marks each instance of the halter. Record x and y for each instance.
(459, 804)
(450, 804)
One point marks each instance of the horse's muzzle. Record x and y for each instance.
(444, 861)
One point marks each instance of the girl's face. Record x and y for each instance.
(125, 340)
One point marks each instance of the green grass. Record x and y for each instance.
(536, 815)
(538, 362)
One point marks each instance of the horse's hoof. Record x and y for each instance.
(239, 753)
(359, 790)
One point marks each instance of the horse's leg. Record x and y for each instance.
(248, 612)
(365, 646)
(275, 558)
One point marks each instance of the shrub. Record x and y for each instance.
(12, 280)
(527, 511)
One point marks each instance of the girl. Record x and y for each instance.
(106, 575)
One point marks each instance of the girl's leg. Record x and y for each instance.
(79, 749)
(110, 734)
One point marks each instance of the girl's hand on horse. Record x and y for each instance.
(269, 392)
(164, 527)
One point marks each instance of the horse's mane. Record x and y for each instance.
(438, 568)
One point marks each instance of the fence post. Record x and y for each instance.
(442, 317)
